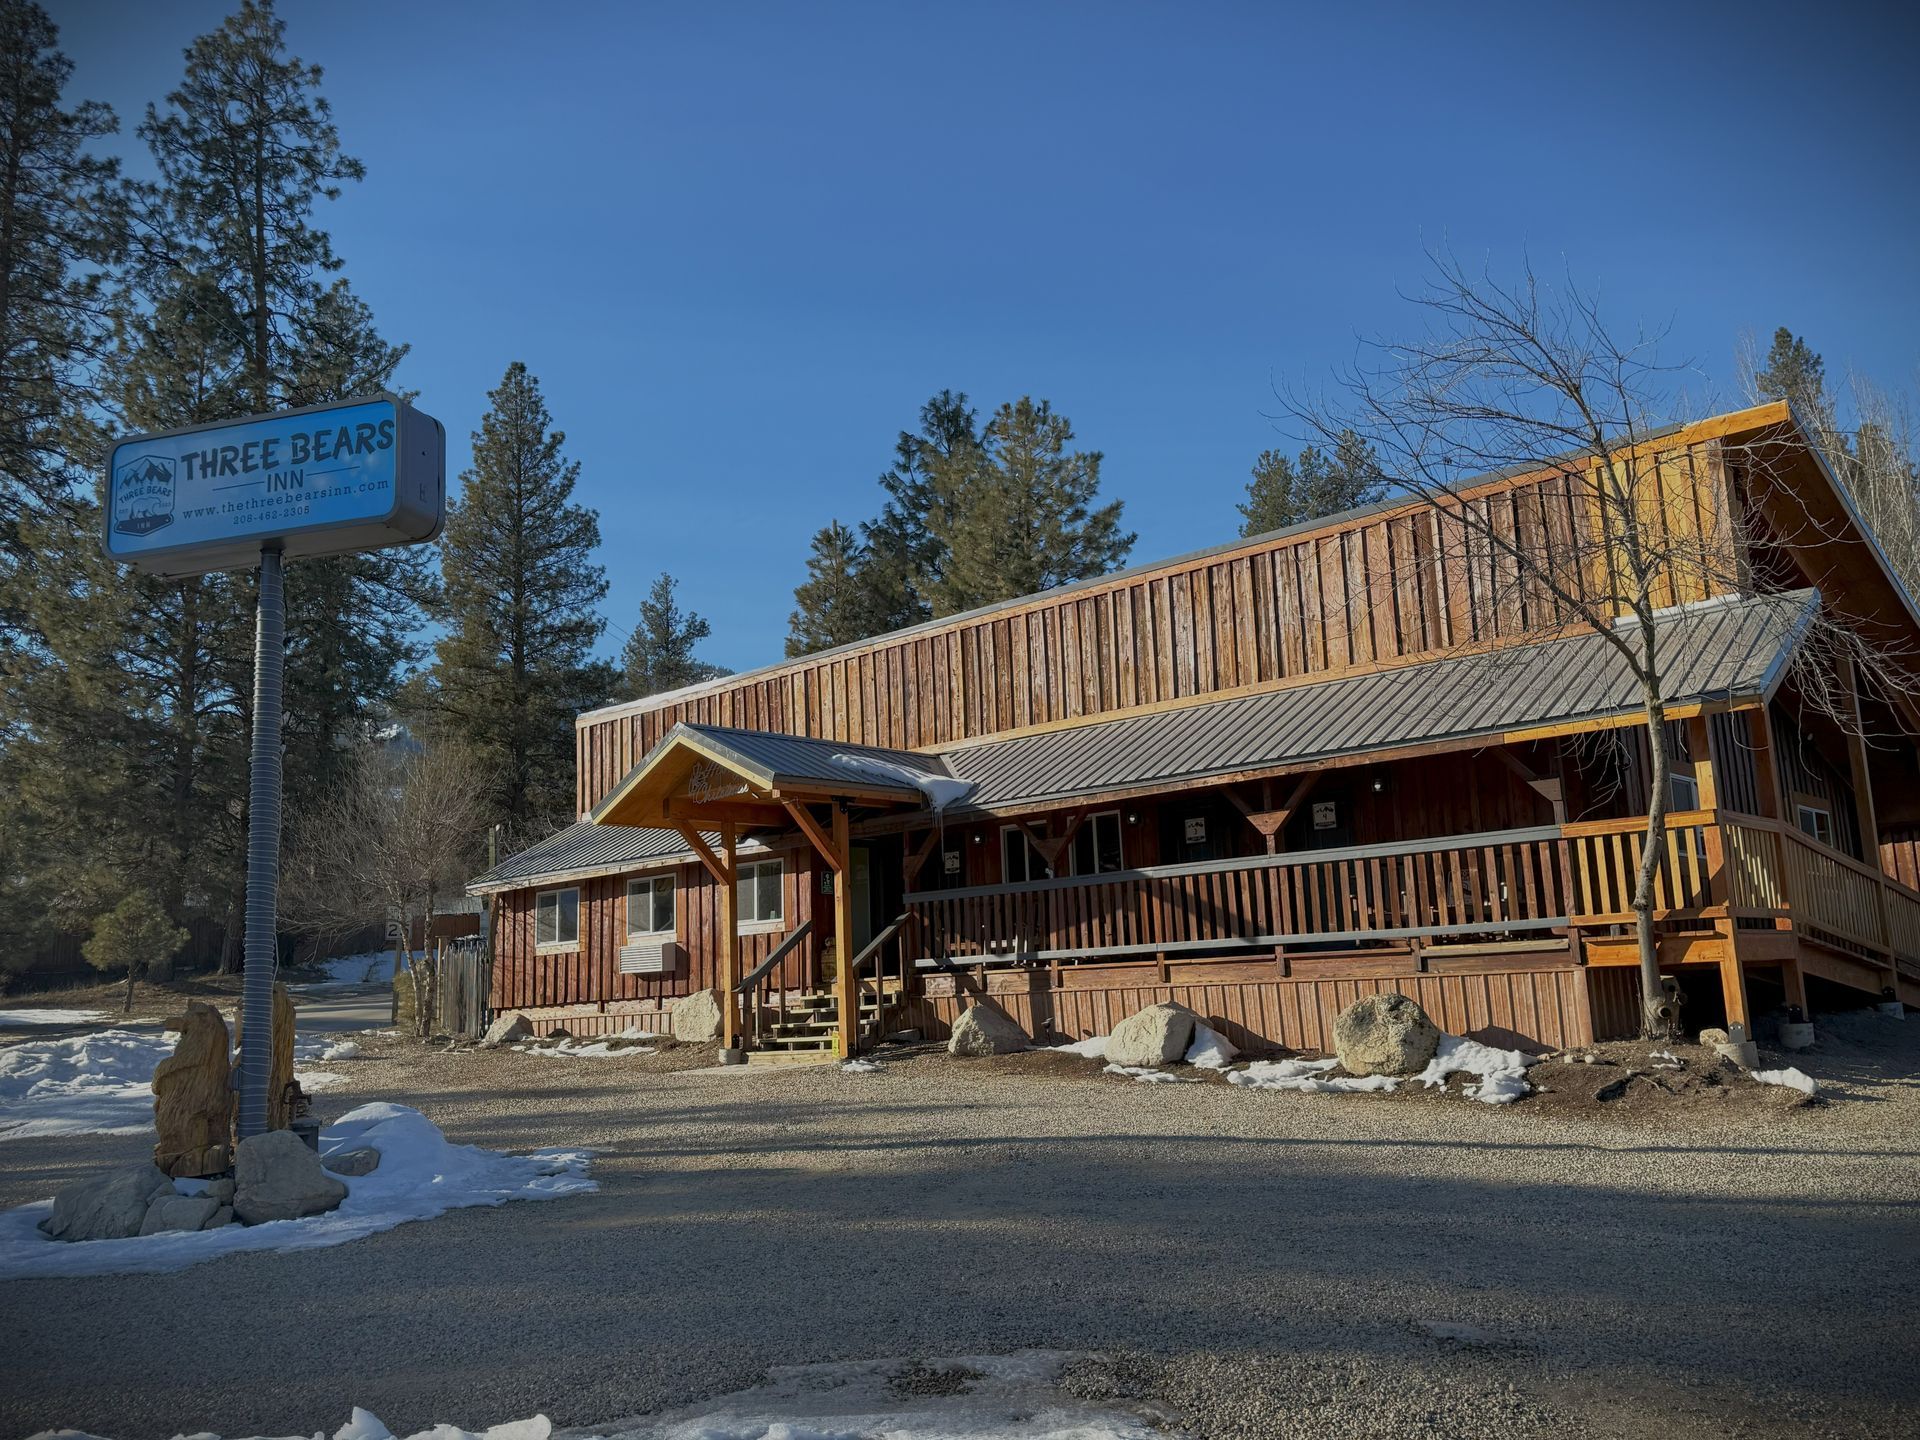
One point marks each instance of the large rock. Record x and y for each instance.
(1384, 1035)
(278, 1178)
(507, 1030)
(279, 1109)
(193, 1097)
(108, 1207)
(1157, 1035)
(363, 1160)
(981, 1031)
(696, 1017)
(179, 1212)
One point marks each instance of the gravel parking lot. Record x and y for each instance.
(1251, 1263)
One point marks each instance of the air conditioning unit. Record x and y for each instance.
(651, 957)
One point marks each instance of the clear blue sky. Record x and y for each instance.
(740, 244)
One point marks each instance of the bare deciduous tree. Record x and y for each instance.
(1526, 380)
(406, 828)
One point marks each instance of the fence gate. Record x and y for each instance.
(465, 974)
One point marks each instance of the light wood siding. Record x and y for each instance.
(1381, 588)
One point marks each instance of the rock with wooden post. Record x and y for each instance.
(193, 1098)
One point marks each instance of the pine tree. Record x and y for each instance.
(834, 605)
(1287, 492)
(903, 559)
(518, 595)
(1794, 371)
(61, 221)
(659, 654)
(1017, 516)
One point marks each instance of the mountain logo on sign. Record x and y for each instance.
(143, 495)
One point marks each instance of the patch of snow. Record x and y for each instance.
(1146, 1076)
(1501, 1074)
(27, 1018)
(860, 1067)
(314, 1081)
(1790, 1077)
(590, 1049)
(97, 1084)
(1308, 1077)
(346, 971)
(1094, 1047)
(1210, 1049)
(939, 789)
(420, 1176)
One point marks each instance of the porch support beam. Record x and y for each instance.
(1862, 773)
(832, 847)
(1549, 788)
(1270, 822)
(730, 943)
(913, 862)
(845, 990)
(722, 871)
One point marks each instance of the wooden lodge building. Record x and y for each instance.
(1263, 780)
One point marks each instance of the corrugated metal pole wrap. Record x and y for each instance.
(263, 850)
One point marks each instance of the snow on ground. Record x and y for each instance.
(102, 1083)
(994, 1397)
(1501, 1074)
(860, 1067)
(568, 1049)
(1094, 1047)
(96, 1084)
(1210, 1049)
(1307, 1076)
(29, 1018)
(420, 1176)
(342, 971)
(1148, 1076)
(1790, 1077)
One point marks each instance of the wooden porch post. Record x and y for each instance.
(1733, 990)
(844, 988)
(729, 940)
(1862, 775)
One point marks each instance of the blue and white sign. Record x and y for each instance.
(357, 475)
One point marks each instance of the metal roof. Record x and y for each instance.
(776, 759)
(1715, 650)
(586, 849)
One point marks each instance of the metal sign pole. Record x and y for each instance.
(263, 849)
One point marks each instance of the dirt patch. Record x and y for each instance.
(1636, 1077)
(937, 1379)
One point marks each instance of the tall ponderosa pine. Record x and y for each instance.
(518, 596)
(1286, 492)
(834, 605)
(902, 560)
(1018, 515)
(659, 654)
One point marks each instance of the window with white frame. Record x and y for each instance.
(759, 893)
(1817, 821)
(1020, 858)
(650, 907)
(556, 919)
(1096, 845)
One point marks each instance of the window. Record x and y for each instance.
(1096, 845)
(1020, 861)
(1817, 822)
(758, 894)
(1683, 791)
(650, 906)
(556, 920)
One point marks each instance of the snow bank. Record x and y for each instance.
(1502, 1074)
(1094, 1047)
(1149, 1077)
(1307, 1076)
(1790, 1077)
(591, 1049)
(1210, 1049)
(24, 1019)
(344, 971)
(420, 1176)
(939, 790)
(860, 1067)
(98, 1084)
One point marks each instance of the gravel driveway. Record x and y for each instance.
(1257, 1264)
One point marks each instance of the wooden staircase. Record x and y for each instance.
(809, 1028)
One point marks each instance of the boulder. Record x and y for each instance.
(981, 1031)
(1384, 1035)
(507, 1030)
(361, 1161)
(108, 1207)
(221, 1190)
(222, 1216)
(696, 1017)
(279, 1178)
(1713, 1035)
(178, 1212)
(1157, 1035)
(193, 1097)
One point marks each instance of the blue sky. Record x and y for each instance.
(740, 244)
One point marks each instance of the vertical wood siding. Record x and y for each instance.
(1371, 590)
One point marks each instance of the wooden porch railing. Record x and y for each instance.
(752, 985)
(1714, 865)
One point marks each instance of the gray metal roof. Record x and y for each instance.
(1712, 650)
(584, 849)
(774, 758)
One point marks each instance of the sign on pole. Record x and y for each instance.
(325, 480)
(320, 481)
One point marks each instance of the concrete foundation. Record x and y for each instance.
(1796, 1035)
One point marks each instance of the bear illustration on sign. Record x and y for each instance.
(143, 495)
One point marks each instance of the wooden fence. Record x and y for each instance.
(463, 971)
